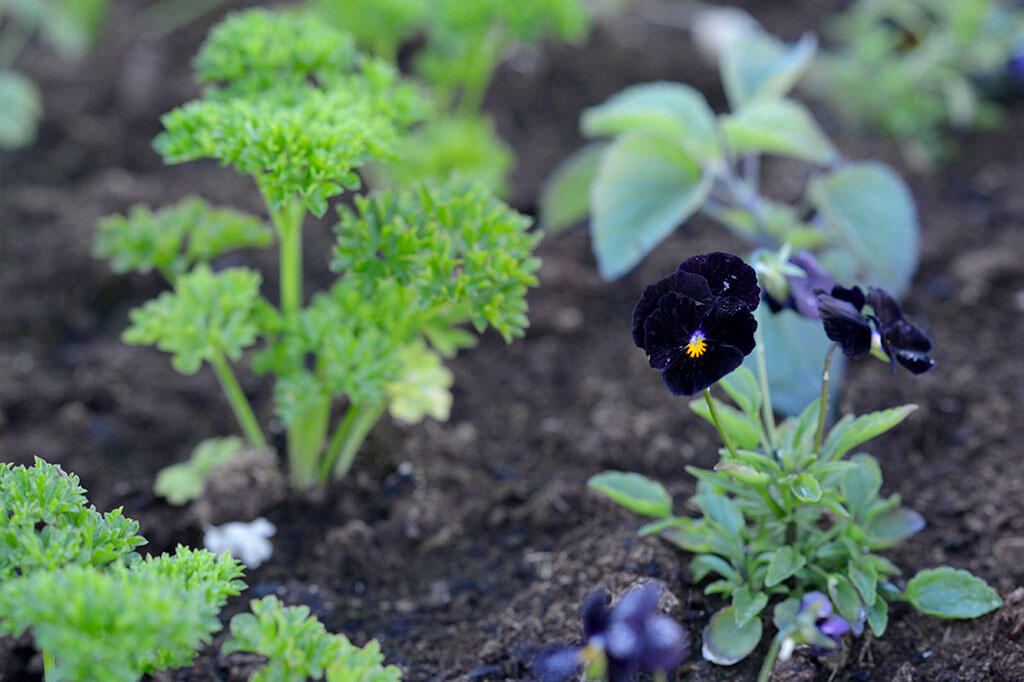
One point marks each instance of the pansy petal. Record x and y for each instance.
(818, 599)
(594, 614)
(915, 361)
(638, 603)
(727, 274)
(621, 670)
(669, 326)
(689, 376)
(845, 325)
(834, 627)
(664, 643)
(887, 309)
(623, 639)
(556, 663)
(686, 284)
(730, 322)
(854, 296)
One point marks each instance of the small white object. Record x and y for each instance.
(247, 542)
(716, 28)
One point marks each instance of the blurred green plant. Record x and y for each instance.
(290, 102)
(69, 27)
(920, 70)
(670, 157)
(463, 41)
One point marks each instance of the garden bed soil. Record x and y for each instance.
(464, 546)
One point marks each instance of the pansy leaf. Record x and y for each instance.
(806, 488)
(865, 579)
(798, 349)
(878, 616)
(672, 110)
(722, 511)
(646, 186)
(861, 484)
(892, 527)
(565, 198)
(951, 593)
(870, 210)
(704, 564)
(747, 605)
(785, 562)
(762, 66)
(777, 126)
(634, 492)
(742, 387)
(742, 428)
(21, 110)
(844, 595)
(694, 536)
(726, 642)
(846, 435)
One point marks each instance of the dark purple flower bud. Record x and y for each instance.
(804, 289)
(595, 614)
(843, 321)
(692, 334)
(901, 341)
(727, 275)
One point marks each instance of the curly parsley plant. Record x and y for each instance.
(290, 102)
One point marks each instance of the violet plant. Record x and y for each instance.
(668, 157)
(461, 43)
(290, 102)
(788, 512)
(618, 643)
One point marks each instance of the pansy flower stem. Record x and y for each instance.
(49, 665)
(768, 665)
(718, 424)
(823, 403)
(766, 396)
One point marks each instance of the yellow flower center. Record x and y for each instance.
(697, 345)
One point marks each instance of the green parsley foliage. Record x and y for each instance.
(380, 26)
(208, 316)
(296, 138)
(463, 253)
(175, 238)
(298, 647)
(46, 523)
(126, 621)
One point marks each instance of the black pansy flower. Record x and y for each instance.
(803, 289)
(886, 330)
(696, 324)
(618, 642)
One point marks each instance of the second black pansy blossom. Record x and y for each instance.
(697, 324)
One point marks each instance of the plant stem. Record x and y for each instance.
(769, 659)
(823, 406)
(305, 439)
(48, 665)
(766, 396)
(718, 424)
(349, 437)
(288, 222)
(239, 403)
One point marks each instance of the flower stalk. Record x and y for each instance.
(823, 402)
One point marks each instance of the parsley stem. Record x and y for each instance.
(48, 665)
(239, 403)
(349, 436)
(718, 424)
(305, 439)
(288, 222)
(823, 403)
(766, 396)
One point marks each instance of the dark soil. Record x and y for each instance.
(465, 546)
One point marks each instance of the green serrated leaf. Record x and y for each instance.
(951, 593)
(761, 66)
(565, 198)
(634, 492)
(422, 387)
(646, 186)
(870, 210)
(777, 126)
(184, 482)
(672, 111)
